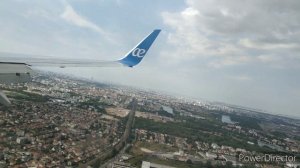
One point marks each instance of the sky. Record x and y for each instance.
(239, 52)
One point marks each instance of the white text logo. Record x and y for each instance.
(138, 52)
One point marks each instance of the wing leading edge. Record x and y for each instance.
(132, 58)
(15, 68)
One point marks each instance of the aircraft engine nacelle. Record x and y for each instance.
(14, 73)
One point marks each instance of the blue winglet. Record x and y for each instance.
(137, 53)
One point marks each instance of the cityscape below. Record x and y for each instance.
(61, 121)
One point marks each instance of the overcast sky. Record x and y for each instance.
(239, 52)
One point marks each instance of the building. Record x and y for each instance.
(121, 165)
(146, 164)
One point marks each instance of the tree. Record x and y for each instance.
(208, 164)
(189, 162)
(228, 164)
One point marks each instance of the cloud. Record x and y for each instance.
(71, 16)
(229, 60)
(241, 78)
(42, 13)
(280, 61)
(267, 46)
(230, 32)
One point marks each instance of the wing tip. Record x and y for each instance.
(135, 56)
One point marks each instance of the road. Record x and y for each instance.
(120, 146)
(123, 142)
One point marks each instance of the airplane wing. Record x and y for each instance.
(15, 68)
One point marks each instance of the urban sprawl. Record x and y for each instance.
(59, 121)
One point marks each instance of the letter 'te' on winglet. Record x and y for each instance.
(136, 55)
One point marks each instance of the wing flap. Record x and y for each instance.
(48, 61)
(3, 99)
(14, 67)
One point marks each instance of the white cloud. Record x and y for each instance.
(267, 46)
(71, 16)
(190, 12)
(231, 33)
(229, 60)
